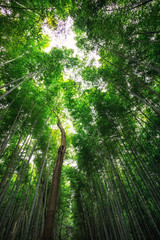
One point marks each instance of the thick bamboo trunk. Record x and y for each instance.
(51, 212)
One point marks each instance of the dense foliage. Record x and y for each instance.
(110, 181)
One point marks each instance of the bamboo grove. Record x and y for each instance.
(108, 118)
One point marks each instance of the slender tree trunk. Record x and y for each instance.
(7, 108)
(15, 150)
(8, 84)
(9, 91)
(51, 212)
(147, 32)
(36, 193)
(134, 59)
(12, 60)
(18, 181)
(20, 8)
(143, 41)
(139, 109)
(130, 6)
(134, 78)
(142, 100)
(20, 217)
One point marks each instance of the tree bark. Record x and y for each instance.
(51, 212)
